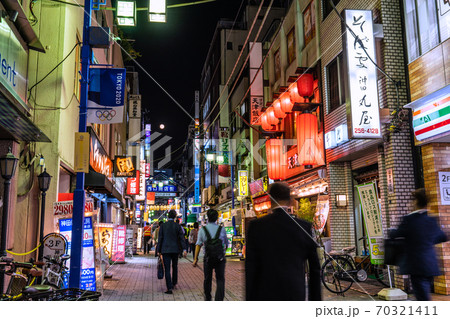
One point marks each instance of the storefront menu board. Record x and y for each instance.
(87, 280)
(368, 197)
(230, 234)
(118, 247)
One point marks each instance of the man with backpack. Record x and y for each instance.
(214, 238)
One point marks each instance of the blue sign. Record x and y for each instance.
(87, 280)
(162, 189)
(197, 185)
(107, 87)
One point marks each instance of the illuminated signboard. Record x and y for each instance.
(141, 195)
(118, 247)
(336, 137)
(164, 188)
(87, 279)
(124, 166)
(431, 114)
(98, 158)
(243, 183)
(106, 238)
(66, 207)
(133, 184)
(362, 77)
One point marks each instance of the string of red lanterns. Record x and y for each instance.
(298, 92)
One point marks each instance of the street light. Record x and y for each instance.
(44, 183)
(8, 166)
(126, 13)
(157, 11)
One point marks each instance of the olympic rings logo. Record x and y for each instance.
(106, 115)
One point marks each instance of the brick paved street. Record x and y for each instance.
(136, 281)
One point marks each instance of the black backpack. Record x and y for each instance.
(213, 247)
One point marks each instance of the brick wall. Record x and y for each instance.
(341, 218)
(435, 159)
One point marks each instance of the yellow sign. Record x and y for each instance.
(81, 163)
(243, 183)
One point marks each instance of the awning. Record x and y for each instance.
(100, 184)
(18, 124)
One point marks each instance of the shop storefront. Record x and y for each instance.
(431, 126)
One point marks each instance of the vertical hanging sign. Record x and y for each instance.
(256, 78)
(106, 95)
(243, 183)
(368, 197)
(362, 75)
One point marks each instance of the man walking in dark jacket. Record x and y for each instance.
(420, 232)
(275, 269)
(170, 236)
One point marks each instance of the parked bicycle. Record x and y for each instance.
(55, 271)
(22, 279)
(340, 271)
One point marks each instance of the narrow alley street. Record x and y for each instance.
(136, 281)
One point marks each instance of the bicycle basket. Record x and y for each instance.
(16, 285)
(75, 294)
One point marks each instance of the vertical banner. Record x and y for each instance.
(106, 95)
(243, 183)
(81, 163)
(368, 197)
(256, 78)
(196, 171)
(362, 75)
(118, 247)
(141, 196)
(105, 234)
(87, 280)
(321, 215)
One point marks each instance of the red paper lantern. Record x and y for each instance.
(305, 85)
(264, 124)
(271, 118)
(286, 103)
(279, 113)
(276, 159)
(307, 139)
(293, 92)
(224, 170)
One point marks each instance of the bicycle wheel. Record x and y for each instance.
(336, 274)
(381, 274)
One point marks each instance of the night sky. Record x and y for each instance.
(174, 54)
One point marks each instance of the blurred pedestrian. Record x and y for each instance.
(193, 236)
(275, 268)
(147, 238)
(420, 233)
(170, 236)
(156, 236)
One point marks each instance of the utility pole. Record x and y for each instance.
(79, 193)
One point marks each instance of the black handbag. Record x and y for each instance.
(393, 251)
(160, 268)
